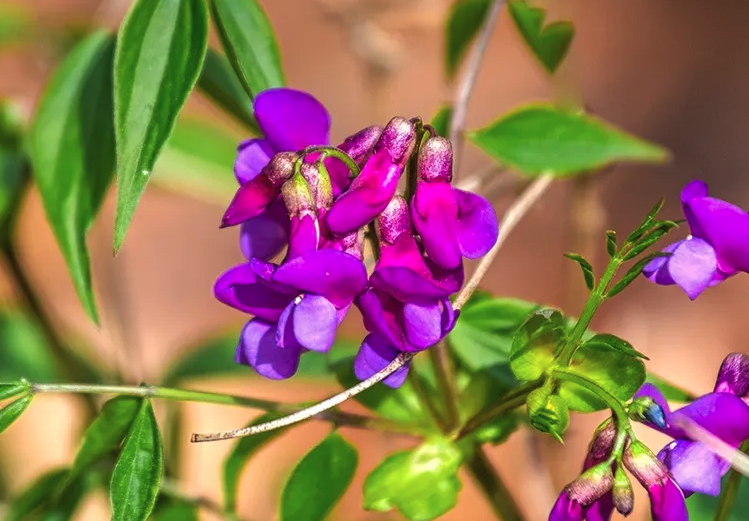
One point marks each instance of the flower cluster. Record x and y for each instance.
(716, 249)
(684, 466)
(297, 192)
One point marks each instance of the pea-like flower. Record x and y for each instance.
(717, 248)
(452, 223)
(406, 307)
(724, 413)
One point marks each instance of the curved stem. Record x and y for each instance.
(334, 152)
(491, 484)
(511, 400)
(187, 395)
(730, 491)
(616, 405)
(445, 377)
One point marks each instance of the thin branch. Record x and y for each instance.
(468, 79)
(491, 484)
(445, 378)
(511, 219)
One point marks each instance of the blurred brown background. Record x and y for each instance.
(674, 72)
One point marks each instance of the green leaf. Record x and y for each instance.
(548, 43)
(34, 361)
(319, 480)
(672, 392)
(137, 473)
(611, 247)
(176, 511)
(614, 369)
(13, 175)
(548, 413)
(633, 273)
(498, 430)
(235, 463)
(441, 120)
(615, 343)
(421, 483)
(587, 267)
(72, 152)
(219, 82)
(463, 25)
(703, 507)
(401, 405)
(10, 390)
(160, 52)
(106, 432)
(247, 37)
(16, 22)
(35, 495)
(651, 236)
(535, 343)
(63, 504)
(482, 337)
(13, 411)
(646, 223)
(215, 356)
(544, 139)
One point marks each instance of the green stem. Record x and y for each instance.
(440, 358)
(426, 400)
(616, 406)
(185, 395)
(337, 153)
(69, 366)
(597, 296)
(494, 489)
(511, 400)
(730, 491)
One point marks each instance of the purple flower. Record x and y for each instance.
(371, 191)
(452, 223)
(717, 248)
(406, 307)
(297, 306)
(723, 413)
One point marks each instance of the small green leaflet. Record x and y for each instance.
(463, 24)
(13, 411)
(548, 43)
(542, 139)
(219, 82)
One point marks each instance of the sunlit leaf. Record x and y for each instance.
(463, 24)
(536, 342)
(13, 411)
(549, 43)
(160, 52)
(35, 496)
(220, 83)
(672, 392)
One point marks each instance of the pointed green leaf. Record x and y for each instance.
(463, 24)
(137, 474)
(319, 480)
(672, 392)
(34, 362)
(248, 40)
(106, 432)
(634, 272)
(13, 411)
(587, 267)
(535, 343)
(615, 343)
(658, 230)
(10, 390)
(160, 52)
(611, 247)
(13, 176)
(646, 223)
(72, 152)
(177, 511)
(441, 120)
(422, 483)
(548, 43)
(219, 82)
(235, 463)
(545, 139)
(35, 496)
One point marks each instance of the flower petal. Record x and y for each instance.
(726, 228)
(335, 275)
(657, 269)
(422, 324)
(692, 266)
(304, 235)
(257, 348)
(566, 509)
(240, 288)
(724, 415)
(601, 510)
(265, 236)
(251, 199)
(477, 227)
(733, 376)
(667, 502)
(693, 190)
(651, 391)
(406, 285)
(694, 467)
(374, 355)
(291, 119)
(378, 313)
(252, 156)
(434, 211)
(315, 320)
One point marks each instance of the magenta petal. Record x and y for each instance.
(566, 509)
(265, 236)
(335, 275)
(406, 285)
(251, 199)
(653, 392)
(667, 502)
(733, 376)
(692, 266)
(252, 156)
(477, 228)
(240, 288)
(693, 190)
(314, 322)
(291, 119)
(422, 324)
(374, 355)
(657, 269)
(601, 510)
(373, 315)
(694, 467)
(726, 228)
(257, 348)
(304, 236)
(434, 211)
(724, 415)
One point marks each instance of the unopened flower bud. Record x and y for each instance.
(733, 376)
(548, 413)
(394, 220)
(643, 464)
(318, 181)
(624, 496)
(280, 168)
(298, 197)
(436, 160)
(645, 409)
(591, 485)
(353, 243)
(360, 145)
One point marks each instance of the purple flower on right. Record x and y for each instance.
(717, 248)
